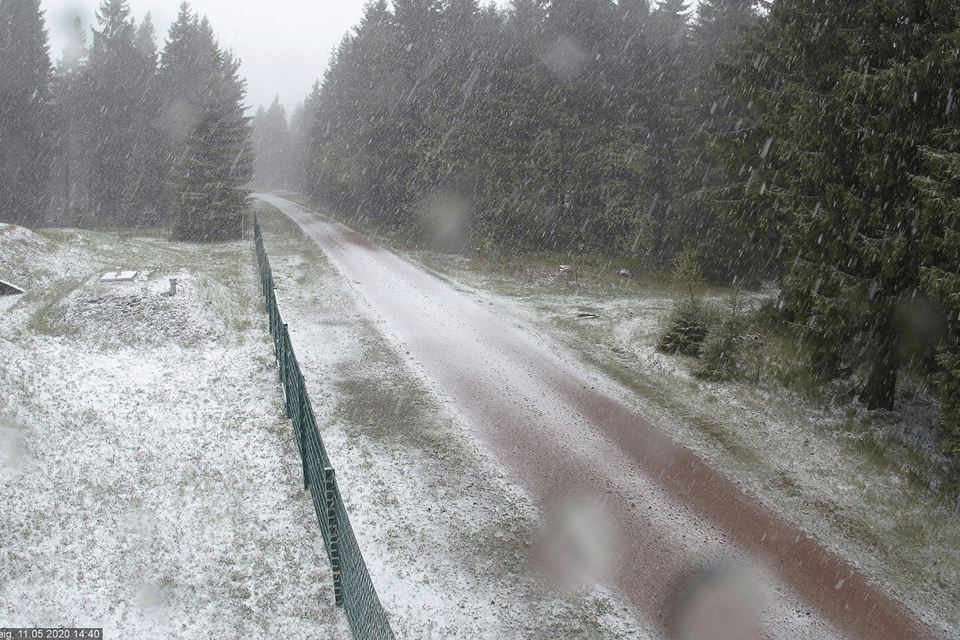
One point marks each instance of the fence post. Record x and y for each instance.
(329, 483)
(285, 366)
(301, 430)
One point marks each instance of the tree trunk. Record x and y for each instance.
(881, 386)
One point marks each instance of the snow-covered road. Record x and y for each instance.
(653, 509)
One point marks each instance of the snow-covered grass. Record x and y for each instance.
(148, 483)
(446, 536)
(870, 485)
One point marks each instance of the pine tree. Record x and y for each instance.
(215, 161)
(940, 276)
(25, 140)
(367, 120)
(122, 101)
(537, 119)
(731, 247)
(525, 23)
(939, 189)
(669, 39)
(112, 94)
(271, 145)
(302, 141)
(148, 169)
(851, 100)
(186, 68)
(70, 120)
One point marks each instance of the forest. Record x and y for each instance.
(812, 143)
(809, 143)
(118, 133)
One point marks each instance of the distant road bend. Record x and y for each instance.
(558, 436)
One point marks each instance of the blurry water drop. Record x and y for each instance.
(720, 602)
(10, 451)
(576, 545)
(566, 60)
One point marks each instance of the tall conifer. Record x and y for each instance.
(215, 160)
(25, 127)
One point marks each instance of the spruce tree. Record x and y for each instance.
(940, 276)
(122, 104)
(939, 188)
(70, 94)
(847, 100)
(148, 170)
(302, 124)
(186, 68)
(25, 128)
(271, 145)
(538, 118)
(366, 122)
(731, 247)
(215, 161)
(115, 87)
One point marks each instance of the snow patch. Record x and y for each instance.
(140, 312)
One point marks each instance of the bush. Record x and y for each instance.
(687, 276)
(687, 328)
(720, 357)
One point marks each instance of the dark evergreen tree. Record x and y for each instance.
(542, 134)
(215, 161)
(271, 145)
(670, 69)
(186, 69)
(25, 127)
(302, 142)
(114, 91)
(365, 124)
(940, 276)
(70, 120)
(939, 224)
(851, 100)
(148, 167)
(189, 68)
(524, 32)
(732, 246)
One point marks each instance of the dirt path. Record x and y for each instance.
(566, 441)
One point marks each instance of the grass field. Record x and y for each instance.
(148, 484)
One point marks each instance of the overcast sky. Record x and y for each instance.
(284, 45)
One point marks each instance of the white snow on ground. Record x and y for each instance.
(145, 483)
(149, 485)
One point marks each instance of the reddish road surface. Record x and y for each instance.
(560, 438)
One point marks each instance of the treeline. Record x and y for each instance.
(573, 125)
(814, 142)
(119, 133)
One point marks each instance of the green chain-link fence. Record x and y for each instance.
(352, 586)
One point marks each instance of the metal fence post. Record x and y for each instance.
(301, 429)
(330, 486)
